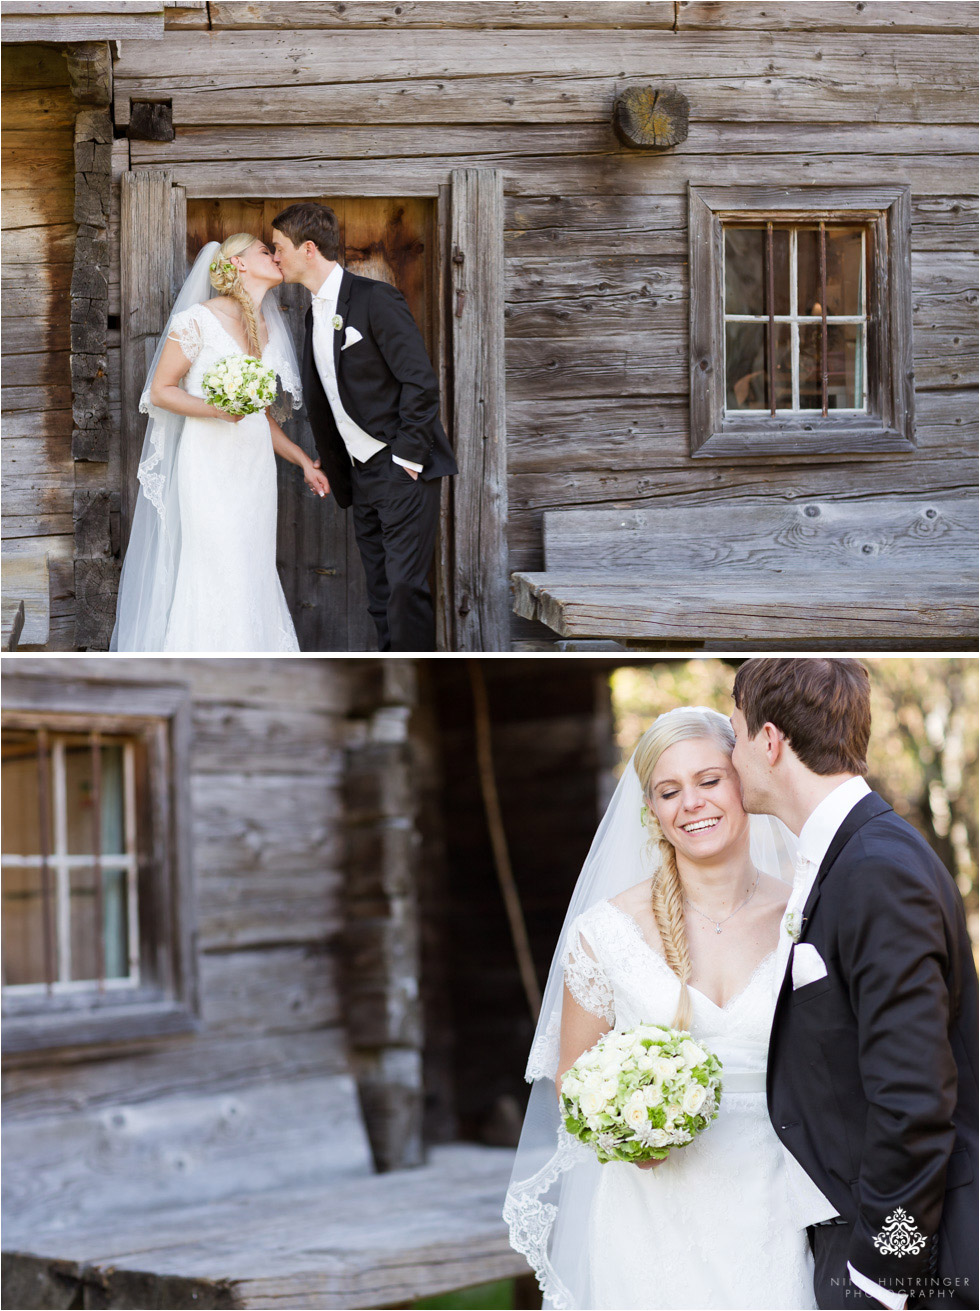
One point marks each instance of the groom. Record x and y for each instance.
(373, 403)
(872, 1080)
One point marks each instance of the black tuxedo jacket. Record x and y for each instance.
(385, 381)
(872, 1079)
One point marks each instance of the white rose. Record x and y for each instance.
(692, 1053)
(658, 1138)
(644, 1063)
(694, 1099)
(591, 1103)
(636, 1114)
(672, 1112)
(663, 1067)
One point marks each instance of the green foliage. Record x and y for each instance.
(498, 1296)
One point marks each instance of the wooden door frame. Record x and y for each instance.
(472, 585)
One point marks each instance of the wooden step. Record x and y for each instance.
(758, 608)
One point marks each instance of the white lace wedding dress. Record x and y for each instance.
(227, 595)
(709, 1227)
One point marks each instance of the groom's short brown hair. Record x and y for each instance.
(308, 221)
(823, 707)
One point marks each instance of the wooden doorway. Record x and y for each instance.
(393, 240)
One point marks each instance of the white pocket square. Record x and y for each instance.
(808, 965)
(351, 335)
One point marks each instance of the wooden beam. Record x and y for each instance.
(74, 20)
(152, 267)
(479, 412)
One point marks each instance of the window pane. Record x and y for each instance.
(23, 925)
(86, 930)
(844, 271)
(747, 366)
(745, 271)
(21, 818)
(80, 798)
(845, 386)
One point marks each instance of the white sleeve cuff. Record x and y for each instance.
(896, 1301)
(407, 464)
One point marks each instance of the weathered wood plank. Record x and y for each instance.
(70, 21)
(831, 535)
(12, 623)
(878, 15)
(746, 607)
(265, 822)
(251, 909)
(403, 14)
(627, 365)
(303, 1131)
(590, 297)
(386, 1239)
(270, 990)
(625, 174)
(603, 226)
(550, 435)
(313, 57)
(481, 618)
(58, 1083)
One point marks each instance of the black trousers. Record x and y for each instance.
(395, 521)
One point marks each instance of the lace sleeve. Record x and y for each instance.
(586, 979)
(185, 330)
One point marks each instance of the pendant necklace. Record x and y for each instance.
(718, 923)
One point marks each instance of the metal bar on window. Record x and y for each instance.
(823, 317)
(44, 823)
(95, 742)
(771, 288)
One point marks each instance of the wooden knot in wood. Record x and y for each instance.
(651, 118)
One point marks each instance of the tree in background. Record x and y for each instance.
(923, 756)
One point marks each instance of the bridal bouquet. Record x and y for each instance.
(636, 1094)
(240, 384)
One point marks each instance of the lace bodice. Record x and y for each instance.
(614, 973)
(203, 339)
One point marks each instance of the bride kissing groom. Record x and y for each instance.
(373, 403)
(746, 885)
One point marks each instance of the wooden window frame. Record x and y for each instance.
(166, 1001)
(889, 424)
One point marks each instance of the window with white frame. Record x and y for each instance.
(97, 911)
(70, 864)
(800, 320)
(796, 318)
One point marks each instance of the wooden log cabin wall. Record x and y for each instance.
(338, 999)
(241, 102)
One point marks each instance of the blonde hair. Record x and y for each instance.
(667, 894)
(226, 278)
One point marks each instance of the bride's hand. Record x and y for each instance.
(648, 1165)
(228, 418)
(315, 479)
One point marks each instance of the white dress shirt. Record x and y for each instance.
(815, 838)
(360, 444)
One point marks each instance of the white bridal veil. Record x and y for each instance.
(149, 573)
(554, 1176)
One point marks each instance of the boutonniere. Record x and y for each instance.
(793, 924)
(337, 322)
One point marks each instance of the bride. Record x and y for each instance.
(674, 920)
(200, 570)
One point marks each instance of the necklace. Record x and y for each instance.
(719, 923)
